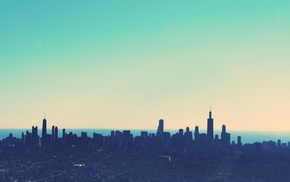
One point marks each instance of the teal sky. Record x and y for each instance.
(126, 64)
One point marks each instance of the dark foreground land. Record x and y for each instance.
(128, 165)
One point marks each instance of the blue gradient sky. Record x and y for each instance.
(126, 64)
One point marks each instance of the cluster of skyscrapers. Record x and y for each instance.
(181, 141)
(200, 140)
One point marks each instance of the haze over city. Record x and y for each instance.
(125, 64)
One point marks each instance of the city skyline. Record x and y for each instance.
(33, 138)
(191, 137)
(71, 157)
(127, 64)
(51, 131)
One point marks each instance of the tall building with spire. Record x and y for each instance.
(210, 126)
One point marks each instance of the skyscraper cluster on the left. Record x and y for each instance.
(33, 140)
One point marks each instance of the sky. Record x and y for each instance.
(126, 64)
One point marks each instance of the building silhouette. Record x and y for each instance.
(160, 128)
(56, 133)
(63, 133)
(34, 132)
(44, 130)
(196, 134)
(239, 139)
(53, 133)
(225, 137)
(210, 126)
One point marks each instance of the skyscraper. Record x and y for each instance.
(160, 128)
(63, 133)
(239, 141)
(210, 126)
(196, 133)
(44, 131)
(34, 136)
(53, 133)
(34, 132)
(56, 133)
(225, 137)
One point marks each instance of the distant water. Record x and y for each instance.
(247, 136)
